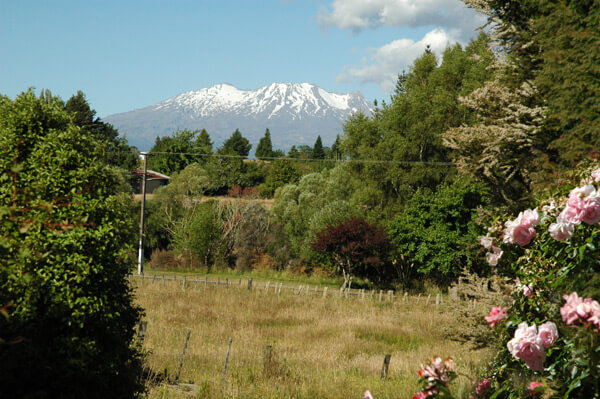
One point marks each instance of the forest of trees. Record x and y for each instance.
(399, 198)
(482, 127)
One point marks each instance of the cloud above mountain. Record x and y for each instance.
(385, 63)
(450, 21)
(450, 15)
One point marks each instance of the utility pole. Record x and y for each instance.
(141, 251)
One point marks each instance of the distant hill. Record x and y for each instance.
(294, 113)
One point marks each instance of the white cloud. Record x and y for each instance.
(450, 15)
(391, 59)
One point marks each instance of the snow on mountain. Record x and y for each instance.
(294, 113)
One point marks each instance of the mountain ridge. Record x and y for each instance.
(295, 113)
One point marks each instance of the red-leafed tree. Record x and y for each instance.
(356, 247)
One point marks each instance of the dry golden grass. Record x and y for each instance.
(322, 347)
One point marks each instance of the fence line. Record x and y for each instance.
(301, 289)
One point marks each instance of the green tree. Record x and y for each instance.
(114, 149)
(203, 144)
(236, 144)
(281, 173)
(437, 233)
(265, 147)
(170, 155)
(408, 131)
(336, 151)
(318, 152)
(549, 47)
(65, 237)
(293, 152)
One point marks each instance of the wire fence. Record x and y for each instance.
(276, 288)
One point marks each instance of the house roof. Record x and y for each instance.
(150, 174)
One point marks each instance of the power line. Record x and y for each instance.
(364, 161)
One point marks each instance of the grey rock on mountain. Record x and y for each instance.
(294, 113)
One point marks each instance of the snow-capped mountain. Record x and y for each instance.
(294, 114)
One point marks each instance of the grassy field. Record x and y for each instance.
(322, 347)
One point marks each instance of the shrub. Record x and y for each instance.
(436, 231)
(355, 247)
(548, 337)
(64, 253)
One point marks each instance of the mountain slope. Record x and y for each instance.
(294, 113)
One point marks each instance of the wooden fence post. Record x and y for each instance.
(249, 284)
(325, 292)
(183, 283)
(187, 339)
(386, 366)
(380, 295)
(141, 334)
(226, 361)
(267, 359)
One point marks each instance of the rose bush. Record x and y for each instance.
(548, 339)
(551, 330)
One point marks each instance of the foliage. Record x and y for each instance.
(196, 236)
(281, 172)
(114, 149)
(264, 149)
(547, 271)
(408, 131)
(64, 255)
(224, 173)
(316, 201)
(499, 148)
(548, 337)
(253, 237)
(236, 145)
(548, 44)
(170, 155)
(317, 151)
(356, 247)
(436, 231)
(568, 33)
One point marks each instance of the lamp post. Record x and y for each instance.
(141, 250)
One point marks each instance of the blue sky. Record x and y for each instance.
(129, 54)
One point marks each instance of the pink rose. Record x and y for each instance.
(496, 315)
(521, 229)
(523, 234)
(527, 346)
(581, 193)
(535, 388)
(532, 353)
(596, 176)
(368, 395)
(420, 395)
(571, 214)
(561, 230)
(483, 386)
(569, 310)
(530, 217)
(591, 210)
(528, 290)
(486, 242)
(547, 334)
(493, 257)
